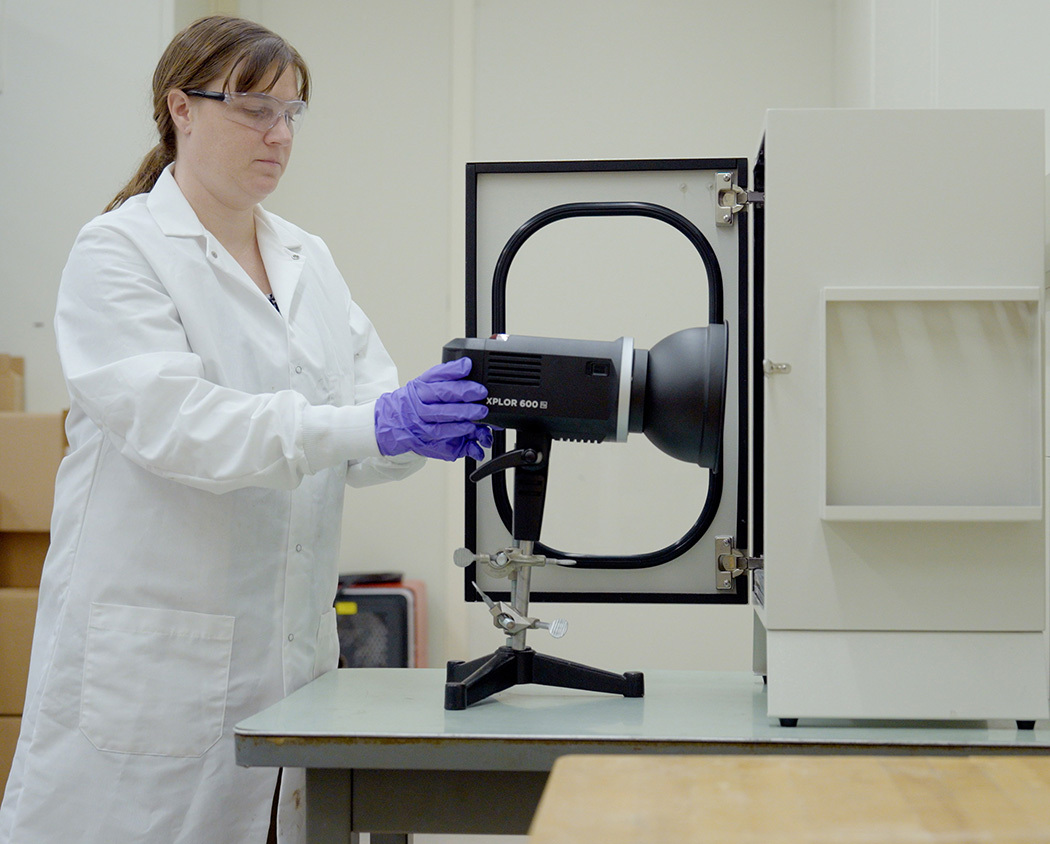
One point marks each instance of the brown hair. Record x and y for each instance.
(200, 53)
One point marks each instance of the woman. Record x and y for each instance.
(224, 388)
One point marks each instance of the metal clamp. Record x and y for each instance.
(503, 562)
(511, 621)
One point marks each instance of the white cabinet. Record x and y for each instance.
(904, 528)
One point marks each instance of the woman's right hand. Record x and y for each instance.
(435, 415)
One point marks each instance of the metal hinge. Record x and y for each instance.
(732, 199)
(732, 563)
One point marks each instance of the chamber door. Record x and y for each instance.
(642, 526)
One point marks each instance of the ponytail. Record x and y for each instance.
(146, 177)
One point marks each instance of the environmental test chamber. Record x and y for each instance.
(878, 497)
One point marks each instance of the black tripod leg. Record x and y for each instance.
(489, 675)
(552, 671)
(457, 670)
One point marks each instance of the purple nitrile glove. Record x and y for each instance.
(435, 415)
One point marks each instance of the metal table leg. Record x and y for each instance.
(328, 805)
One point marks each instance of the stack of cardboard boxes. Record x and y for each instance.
(31, 447)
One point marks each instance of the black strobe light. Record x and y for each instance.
(598, 391)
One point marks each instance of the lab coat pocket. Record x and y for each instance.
(327, 655)
(155, 680)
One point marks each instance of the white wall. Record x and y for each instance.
(74, 123)
(628, 79)
(943, 54)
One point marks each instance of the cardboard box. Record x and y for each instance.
(22, 558)
(9, 727)
(17, 618)
(12, 383)
(31, 447)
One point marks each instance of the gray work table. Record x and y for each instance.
(383, 755)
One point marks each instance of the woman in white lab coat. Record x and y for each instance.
(224, 389)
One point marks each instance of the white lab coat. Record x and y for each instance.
(193, 562)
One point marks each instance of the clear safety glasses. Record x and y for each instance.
(257, 111)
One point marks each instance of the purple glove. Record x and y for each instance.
(434, 415)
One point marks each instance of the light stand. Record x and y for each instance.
(515, 663)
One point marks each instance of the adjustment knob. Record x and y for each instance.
(557, 628)
(463, 557)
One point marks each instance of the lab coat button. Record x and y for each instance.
(298, 547)
(295, 257)
(291, 636)
(298, 370)
(214, 254)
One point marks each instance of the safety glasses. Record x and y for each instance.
(257, 111)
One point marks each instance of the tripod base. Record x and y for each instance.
(469, 682)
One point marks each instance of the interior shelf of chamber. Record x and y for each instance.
(933, 404)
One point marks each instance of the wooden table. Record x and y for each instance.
(795, 800)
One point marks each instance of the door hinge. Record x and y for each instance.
(732, 563)
(732, 199)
